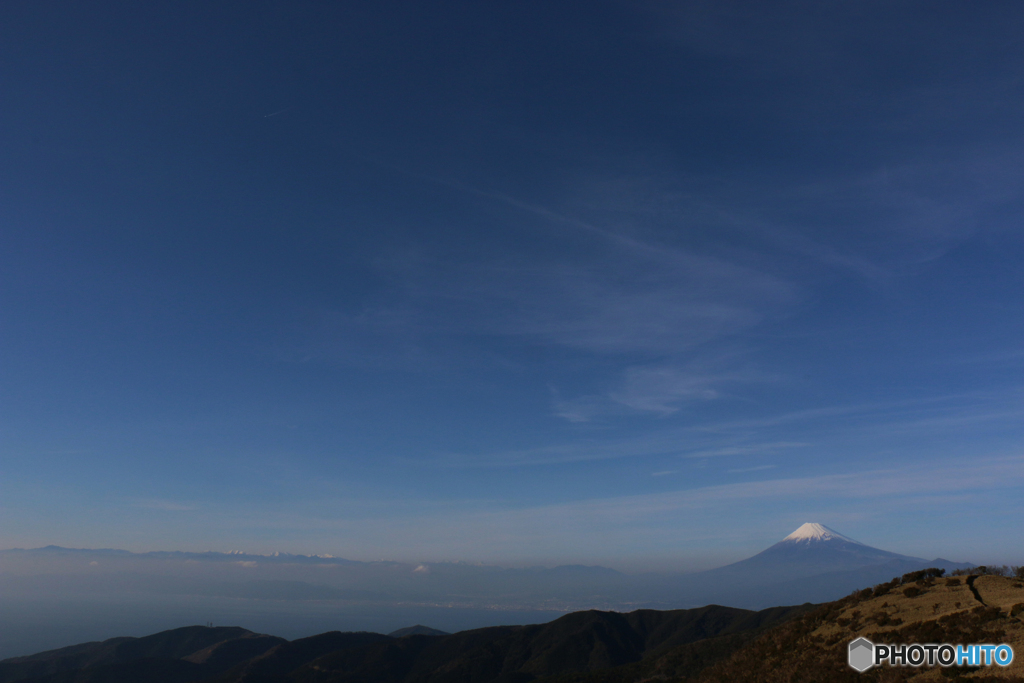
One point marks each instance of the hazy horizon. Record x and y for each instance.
(1010, 556)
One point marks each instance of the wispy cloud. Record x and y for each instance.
(165, 505)
(621, 303)
(747, 449)
(824, 428)
(660, 389)
(1010, 357)
(688, 443)
(759, 468)
(581, 286)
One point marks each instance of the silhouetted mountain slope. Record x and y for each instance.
(575, 643)
(676, 664)
(63, 659)
(417, 630)
(390, 661)
(578, 642)
(174, 644)
(178, 643)
(229, 653)
(147, 670)
(276, 663)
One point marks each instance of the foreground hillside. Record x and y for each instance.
(959, 609)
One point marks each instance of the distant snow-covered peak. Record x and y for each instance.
(812, 531)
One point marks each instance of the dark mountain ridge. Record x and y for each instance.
(576, 643)
(203, 649)
(417, 630)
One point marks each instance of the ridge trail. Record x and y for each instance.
(970, 584)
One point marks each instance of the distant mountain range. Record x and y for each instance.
(210, 556)
(812, 564)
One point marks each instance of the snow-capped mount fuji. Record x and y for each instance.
(812, 564)
(810, 550)
(812, 531)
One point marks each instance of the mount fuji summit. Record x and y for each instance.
(812, 564)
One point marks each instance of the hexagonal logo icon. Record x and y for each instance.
(862, 654)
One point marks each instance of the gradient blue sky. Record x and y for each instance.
(645, 284)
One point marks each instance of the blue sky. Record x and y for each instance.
(648, 285)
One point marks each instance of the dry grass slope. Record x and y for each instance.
(920, 608)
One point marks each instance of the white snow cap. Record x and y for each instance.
(812, 531)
